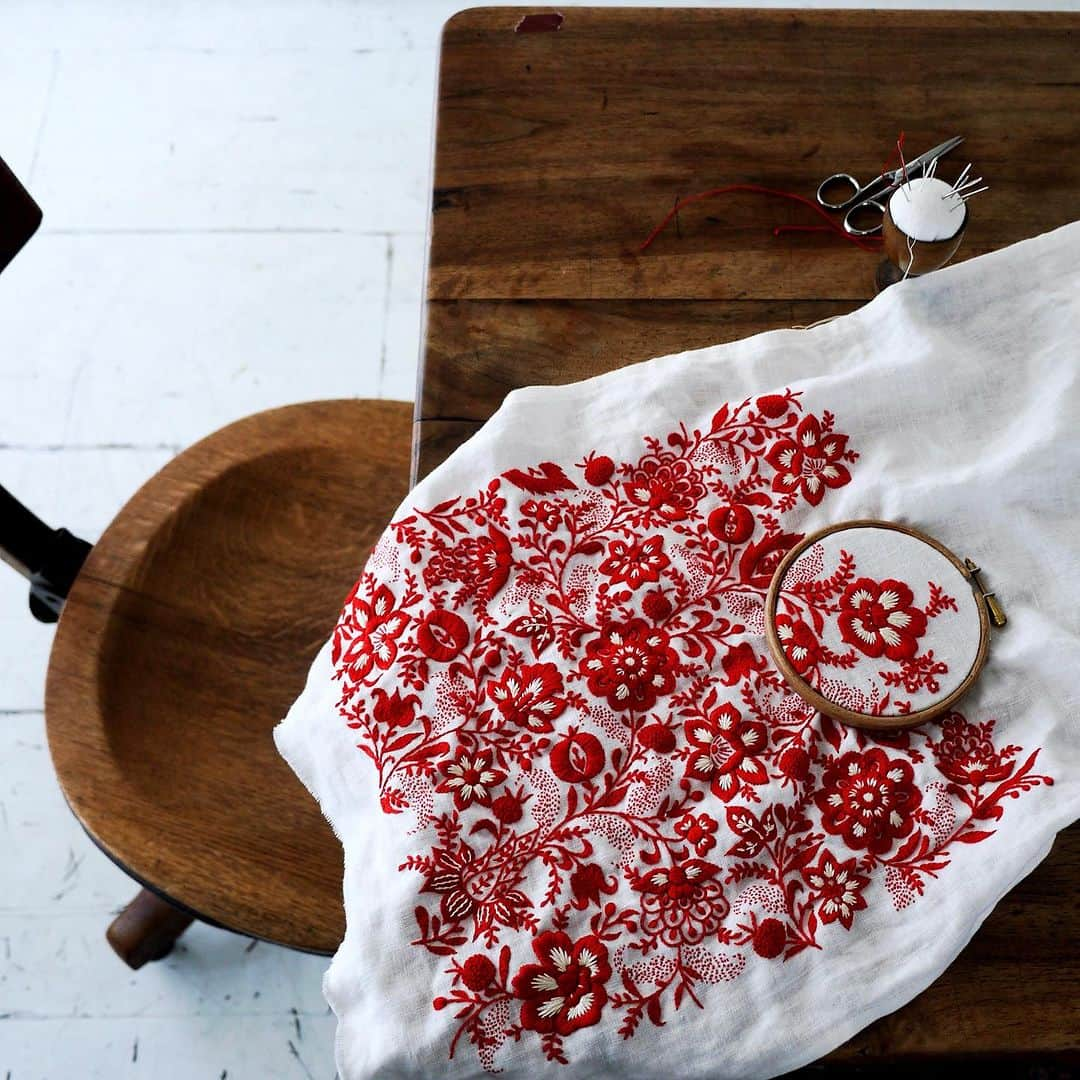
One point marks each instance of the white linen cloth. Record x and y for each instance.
(575, 802)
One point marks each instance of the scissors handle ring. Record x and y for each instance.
(837, 178)
(852, 230)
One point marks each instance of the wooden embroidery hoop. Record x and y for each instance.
(830, 708)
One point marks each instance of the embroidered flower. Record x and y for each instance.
(774, 406)
(656, 605)
(565, 991)
(546, 514)
(469, 777)
(604, 833)
(966, 753)
(530, 696)
(666, 484)
(838, 888)
(799, 643)
(879, 618)
(366, 635)
(810, 463)
(869, 799)
(697, 830)
(631, 664)
(635, 563)
(682, 905)
(725, 749)
(795, 764)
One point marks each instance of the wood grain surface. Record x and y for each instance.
(556, 154)
(187, 636)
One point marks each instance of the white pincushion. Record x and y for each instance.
(927, 209)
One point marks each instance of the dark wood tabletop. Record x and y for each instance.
(557, 152)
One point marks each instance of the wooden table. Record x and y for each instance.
(558, 150)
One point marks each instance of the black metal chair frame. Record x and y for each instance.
(48, 558)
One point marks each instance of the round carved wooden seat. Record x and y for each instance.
(186, 637)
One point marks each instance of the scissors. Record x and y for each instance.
(869, 196)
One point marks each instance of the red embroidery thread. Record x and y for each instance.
(588, 767)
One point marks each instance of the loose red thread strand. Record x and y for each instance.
(757, 189)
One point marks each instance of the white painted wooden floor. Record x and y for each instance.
(235, 197)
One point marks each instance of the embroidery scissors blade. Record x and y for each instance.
(869, 196)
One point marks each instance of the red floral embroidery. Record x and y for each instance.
(666, 484)
(682, 904)
(577, 758)
(698, 830)
(637, 563)
(759, 561)
(966, 753)
(469, 777)
(565, 991)
(631, 664)
(725, 750)
(366, 635)
(732, 524)
(530, 696)
(837, 888)
(799, 643)
(811, 462)
(878, 618)
(442, 635)
(869, 800)
(556, 677)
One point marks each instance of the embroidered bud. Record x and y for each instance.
(440, 1003)
(769, 938)
(656, 605)
(577, 758)
(795, 763)
(599, 470)
(507, 808)
(772, 406)
(733, 524)
(657, 737)
(477, 972)
(442, 635)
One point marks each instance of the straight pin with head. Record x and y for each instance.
(968, 183)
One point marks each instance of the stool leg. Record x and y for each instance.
(146, 929)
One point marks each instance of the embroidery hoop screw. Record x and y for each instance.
(993, 606)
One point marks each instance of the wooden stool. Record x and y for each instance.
(185, 638)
